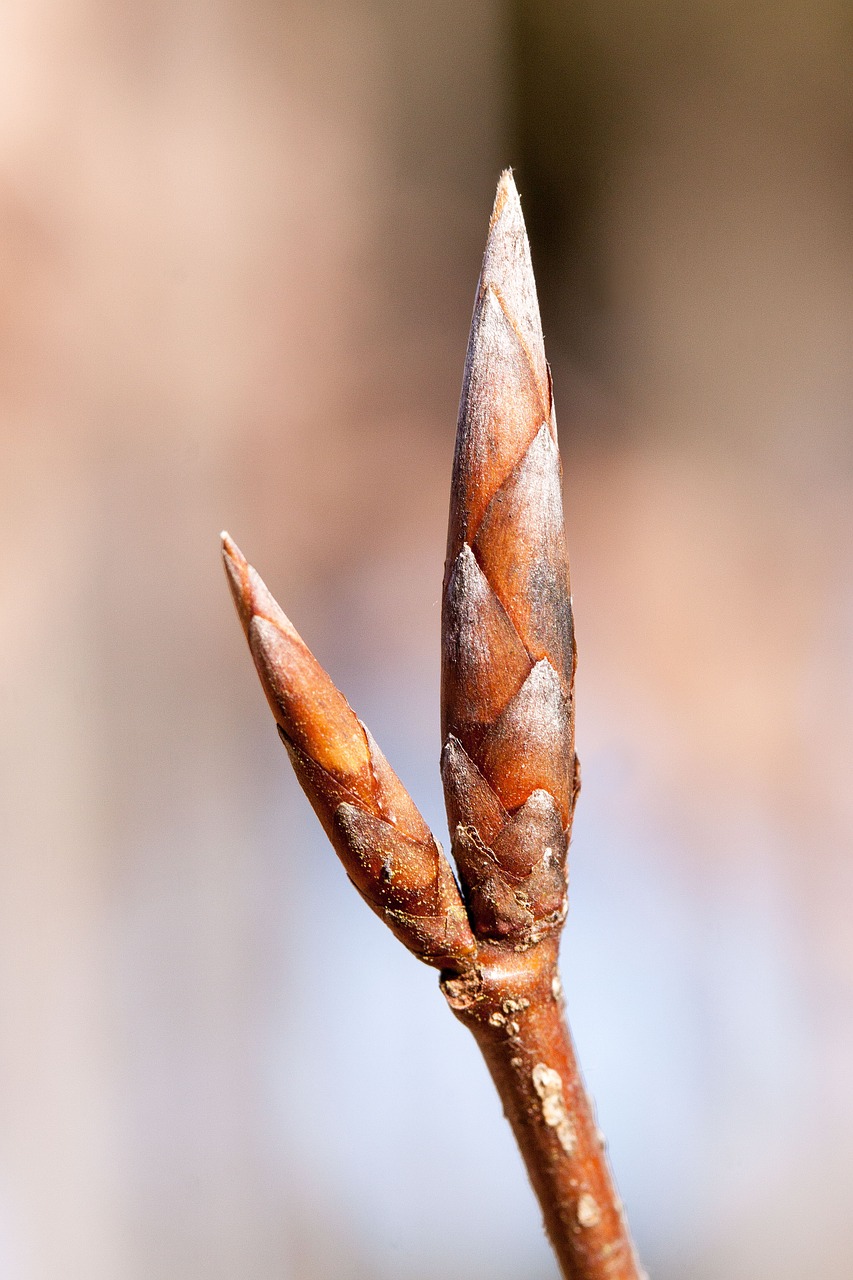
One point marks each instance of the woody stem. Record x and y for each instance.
(512, 1003)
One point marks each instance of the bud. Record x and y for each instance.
(386, 847)
(508, 762)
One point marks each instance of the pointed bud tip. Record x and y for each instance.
(507, 221)
(507, 191)
(508, 270)
(251, 594)
(236, 569)
(231, 551)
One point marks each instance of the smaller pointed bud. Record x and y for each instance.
(313, 714)
(379, 835)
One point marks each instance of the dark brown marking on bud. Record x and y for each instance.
(576, 781)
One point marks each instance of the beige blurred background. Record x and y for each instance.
(238, 250)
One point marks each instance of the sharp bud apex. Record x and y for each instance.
(508, 647)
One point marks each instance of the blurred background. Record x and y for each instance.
(238, 250)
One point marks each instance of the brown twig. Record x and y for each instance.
(508, 763)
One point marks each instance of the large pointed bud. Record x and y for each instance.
(508, 761)
(386, 847)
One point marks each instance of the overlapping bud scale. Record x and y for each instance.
(508, 762)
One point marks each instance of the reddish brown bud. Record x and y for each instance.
(378, 833)
(508, 647)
